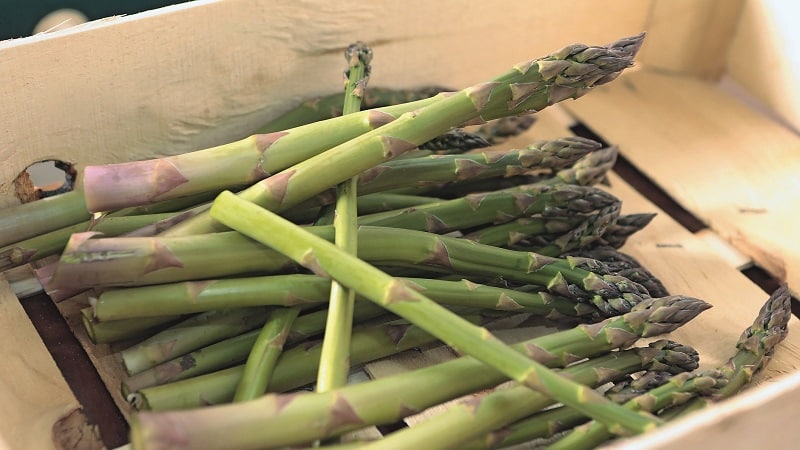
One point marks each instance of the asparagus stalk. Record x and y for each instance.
(482, 414)
(108, 332)
(264, 354)
(495, 207)
(334, 365)
(301, 289)
(298, 418)
(499, 130)
(530, 86)
(327, 260)
(321, 108)
(191, 334)
(547, 423)
(31, 219)
(131, 261)
(754, 349)
(295, 368)
(113, 186)
(235, 350)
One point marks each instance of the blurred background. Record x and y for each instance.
(24, 18)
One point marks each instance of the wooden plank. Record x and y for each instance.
(204, 73)
(759, 418)
(690, 37)
(38, 409)
(730, 166)
(763, 56)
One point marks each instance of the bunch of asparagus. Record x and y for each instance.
(369, 223)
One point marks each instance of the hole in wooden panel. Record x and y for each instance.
(45, 179)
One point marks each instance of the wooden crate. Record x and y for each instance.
(196, 75)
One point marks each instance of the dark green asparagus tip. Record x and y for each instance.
(665, 314)
(674, 358)
(358, 52)
(456, 140)
(771, 325)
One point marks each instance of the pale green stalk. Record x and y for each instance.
(328, 260)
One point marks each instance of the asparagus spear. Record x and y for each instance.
(455, 141)
(48, 214)
(482, 414)
(190, 334)
(754, 349)
(131, 261)
(497, 131)
(434, 171)
(265, 352)
(112, 186)
(235, 350)
(298, 418)
(547, 423)
(530, 86)
(334, 365)
(330, 106)
(495, 207)
(327, 260)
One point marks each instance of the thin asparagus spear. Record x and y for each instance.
(330, 106)
(295, 368)
(265, 352)
(328, 260)
(455, 141)
(495, 207)
(754, 349)
(499, 130)
(483, 414)
(298, 418)
(235, 350)
(108, 332)
(531, 86)
(547, 423)
(190, 334)
(334, 365)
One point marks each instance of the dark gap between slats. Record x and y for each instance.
(77, 369)
(645, 186)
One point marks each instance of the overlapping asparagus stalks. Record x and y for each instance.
(299, 418)
(754, 348)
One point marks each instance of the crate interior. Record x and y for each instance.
(719, 174)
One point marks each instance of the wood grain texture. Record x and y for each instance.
(764, 56)
(690, 37)
(730, 166)
(37, 407)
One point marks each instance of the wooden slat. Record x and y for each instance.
(730, 166)
(690, 37)
(763, 56)
(38, 409)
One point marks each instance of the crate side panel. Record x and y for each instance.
(730, 166)
(209, 73)
(37, 407)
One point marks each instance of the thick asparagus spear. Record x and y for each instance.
(755, 347)
(483, 414)
(34, 218)
(334, 365)
(299, 418)
(141, 261)
(530, 86)
(327, 260)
